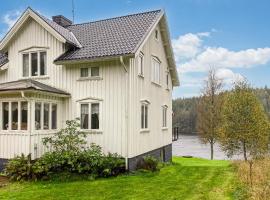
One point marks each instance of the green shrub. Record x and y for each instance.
(148, 163)
(20, 168)
(69, 155)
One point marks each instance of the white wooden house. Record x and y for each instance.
(116, 75)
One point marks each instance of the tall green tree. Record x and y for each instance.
(209, 109)
(245, 126)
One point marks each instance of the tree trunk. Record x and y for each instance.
(212, 149)
(245, 151)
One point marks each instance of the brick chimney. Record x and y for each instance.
(61, 20)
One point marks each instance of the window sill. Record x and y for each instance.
(156, 84)
(89, 78)
(144, 131)
(167, 89)
(91, 131)
(164, 128)
(35, 77)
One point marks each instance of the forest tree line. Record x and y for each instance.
(185, 110)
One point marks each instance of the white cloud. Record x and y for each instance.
(189, 45)
(11, 17)
(228, 76)
(218, 57)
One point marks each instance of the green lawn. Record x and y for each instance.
(187, 178)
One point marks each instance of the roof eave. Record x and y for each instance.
(97, 59)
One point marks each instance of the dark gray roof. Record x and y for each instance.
(3, 59)
(111, 37)
(29, 84)
(68, 35)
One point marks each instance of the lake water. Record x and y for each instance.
(191, 146)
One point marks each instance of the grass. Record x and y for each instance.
(186, 178)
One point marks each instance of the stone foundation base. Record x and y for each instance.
(164, 154)
(2, 163)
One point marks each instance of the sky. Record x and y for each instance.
(230, 36)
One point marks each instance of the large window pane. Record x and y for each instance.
(84, 72)
(94, 71)
(142, 116)
(46, 116)
(95, 116)
(25, 65)
(54, 116)
(14, 108)
(37, 116)
(43, 63)
(24, 115)
(34, 64)
(5, 107)
(146, 117)
(84, 116)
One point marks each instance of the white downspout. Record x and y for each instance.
(126, 109)
(29, 117)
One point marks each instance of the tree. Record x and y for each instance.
(208, 110)
(245, 126)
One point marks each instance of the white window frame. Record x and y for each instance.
(42, 115)
(89, 77)
(89, 113)
(38, 64)
(165, 116)
(156, 67)
(144, 118)
(141, 64)
(10, 115)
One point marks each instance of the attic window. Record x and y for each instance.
(156, 34)
(34, 64)
(90, 72)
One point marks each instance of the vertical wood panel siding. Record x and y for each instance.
(144, 89)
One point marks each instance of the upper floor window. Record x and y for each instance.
(167, 79)
(87, 72)
(90, 116)
(34, 63)
(156, 70)
(141, 64)
(156, 35)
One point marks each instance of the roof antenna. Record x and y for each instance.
(73, 11)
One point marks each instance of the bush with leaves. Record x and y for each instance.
(68, 154)
(20, 168)
(148, 163)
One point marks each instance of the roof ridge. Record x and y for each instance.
(117, 17)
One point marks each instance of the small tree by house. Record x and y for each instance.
(245, 126)
(208, 110)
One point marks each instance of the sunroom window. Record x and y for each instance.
(34, 64)
(90, 121)
(49, 113)
(19, 115)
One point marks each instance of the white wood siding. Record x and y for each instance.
(158, 96)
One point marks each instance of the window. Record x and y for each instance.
(25, 65)
(43, 64)
(36, 63)
(14, 108)
(94, 116)
(54, 116)
(84, 116)
(155, 70)
(84, 72)
(156, 34)
(141, 64)
(38, 116)
(90, 72)
(24, 115)
(94, 120)
(19, 115)
(167, 80)
(164, 116)
(5, 115)
(46, 111)
(94, 71)
(144, 116)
